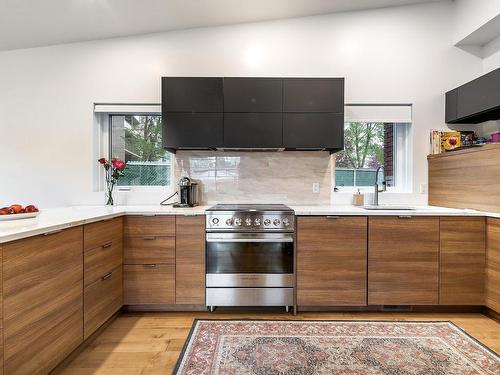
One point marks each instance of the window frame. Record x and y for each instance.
(103, 119)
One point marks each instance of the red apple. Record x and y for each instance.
(31, 208)
(453, 140)
(16, 208)
(4, 211)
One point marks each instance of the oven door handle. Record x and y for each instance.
(230, 237)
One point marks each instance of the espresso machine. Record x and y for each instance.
(188, 193)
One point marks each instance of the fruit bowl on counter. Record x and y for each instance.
(17, 211)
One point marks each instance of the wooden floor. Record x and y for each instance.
(149, 343)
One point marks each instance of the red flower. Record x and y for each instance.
(118, 164)
(102, 160)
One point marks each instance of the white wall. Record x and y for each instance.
(393, 55)
(470, 15)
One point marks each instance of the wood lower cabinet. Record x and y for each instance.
(43, 301)
(148, 284)
(149, 250)
(462, 260)
(331, 261)
(403, 260)
(492, 292)
(190, 260)
(102, 299)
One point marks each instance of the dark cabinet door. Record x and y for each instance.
(451, 106)
(479, 95)
(313, 130)
(253, 130)
(253, 95)
(192, 94)
(192, 130)
(313, 95)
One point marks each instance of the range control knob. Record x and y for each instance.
(215, 221)
(237, 221)
(267, 222)
(257, 222)
(286, 222)
(276, 222)
(248, 221)
(229, 222)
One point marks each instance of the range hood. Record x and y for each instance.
(253, 114)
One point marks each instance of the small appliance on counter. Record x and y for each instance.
(188, 194)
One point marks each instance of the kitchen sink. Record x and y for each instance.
(388, 207)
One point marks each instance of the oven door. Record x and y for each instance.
(249, 259)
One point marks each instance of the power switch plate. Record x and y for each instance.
(316, 187)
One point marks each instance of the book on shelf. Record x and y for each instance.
(442, 141)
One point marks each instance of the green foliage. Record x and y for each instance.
(364, 145)
(143, 138)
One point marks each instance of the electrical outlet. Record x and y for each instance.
(315, 187)
(423, 189)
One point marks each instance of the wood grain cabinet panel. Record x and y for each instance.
(102, 232)
(102, 260)
(149, 284)
(462, 260)
(149, 250)
(331, 261)
(149, 226)
(403, 260)
(493, 264)
(43, 300)
(190, 260)
(102, 299)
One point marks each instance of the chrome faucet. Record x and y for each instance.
(376, 191)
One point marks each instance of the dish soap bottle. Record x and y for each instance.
(358, 199)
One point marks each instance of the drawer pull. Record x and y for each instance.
(107, 276)
(149, 266)
(107, 244)
(333, 217)
(405, 216)
(149, 238)
(53, 232)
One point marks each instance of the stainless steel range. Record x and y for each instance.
(250, 255)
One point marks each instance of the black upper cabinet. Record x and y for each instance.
(313, 95)
(253, 130)
(192, 130)
(313, 131)
(253, 94)
(192, 94)
(476, 101)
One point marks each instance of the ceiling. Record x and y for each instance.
(33, 23)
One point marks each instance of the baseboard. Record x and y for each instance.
(491, 313)
(66, 361)
(166, 308)
(391, 308)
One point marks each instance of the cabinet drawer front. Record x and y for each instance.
(102, 299)
(150, 226)
(149, 284)
(43, 301)
(247, 130)
(313, 130)
(253, 95)
(192, 94)
(313, 95)
(102, 232)
(101, 260)
(149, 250)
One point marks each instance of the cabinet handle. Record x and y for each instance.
(333, 217)
(107, 244)
(107, 276)
(405, 216)
(53, 232)
(149, 266)
(149, 238)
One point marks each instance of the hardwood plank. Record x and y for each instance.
(331, 261)
(149, 226)
(135, 343)
(462, 260)
(493, 264)
(102, 299)
(190, 260)
(102, 232)
(480, 189)
(101, 260)
(43, 301)
(149, 250)
(403, 260)
(148, 284)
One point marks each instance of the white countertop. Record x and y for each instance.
(60, 218)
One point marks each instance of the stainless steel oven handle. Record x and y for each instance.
(234, 237)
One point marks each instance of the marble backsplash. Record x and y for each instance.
(258, 177)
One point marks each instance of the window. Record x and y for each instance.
(137, 139)
(369, 145)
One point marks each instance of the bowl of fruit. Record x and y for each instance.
(17, 211)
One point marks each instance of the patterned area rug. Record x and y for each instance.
(265, 347)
